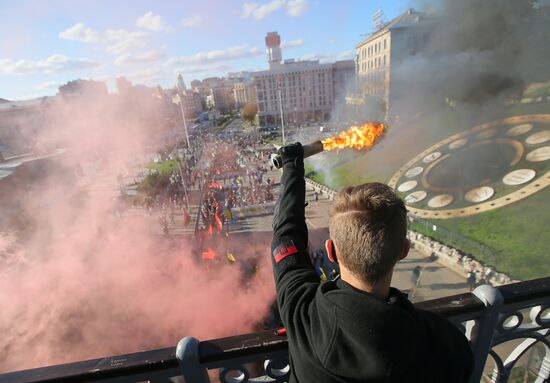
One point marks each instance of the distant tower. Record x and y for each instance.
(181, 84)
(273, 43)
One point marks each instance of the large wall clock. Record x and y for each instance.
(483, 168)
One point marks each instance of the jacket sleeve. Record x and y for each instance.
(295, 278)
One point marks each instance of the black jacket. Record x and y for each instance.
(337, 333)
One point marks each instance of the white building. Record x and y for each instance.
(303, 91)
(379, 55)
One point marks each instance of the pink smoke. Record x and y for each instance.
(79, 282)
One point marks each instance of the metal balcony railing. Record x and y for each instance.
(518, 313)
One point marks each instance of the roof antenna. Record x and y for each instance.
(378, 20)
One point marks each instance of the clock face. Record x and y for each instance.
(483, 168)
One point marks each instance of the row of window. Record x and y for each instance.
(320, 89)
(375, 90)
(321, 98)
(297, 102)
(373, 49)
(377, 62)
(273, 80)
(373, 77)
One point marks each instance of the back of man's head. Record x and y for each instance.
(368, 227)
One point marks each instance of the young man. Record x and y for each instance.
(357, 328)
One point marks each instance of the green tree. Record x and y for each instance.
(249, 112)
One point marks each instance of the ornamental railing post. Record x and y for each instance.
(187, 353)
(484, 329)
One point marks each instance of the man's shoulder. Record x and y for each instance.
(353, 331)
(437, 322)
(446, 336)
(395, 317)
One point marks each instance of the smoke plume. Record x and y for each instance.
(478, 55)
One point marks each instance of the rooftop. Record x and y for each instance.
(407, 19)
(292, 65)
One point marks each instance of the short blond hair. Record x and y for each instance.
(368, 226)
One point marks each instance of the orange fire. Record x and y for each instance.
(356, 137)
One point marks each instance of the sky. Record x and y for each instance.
(44, 44)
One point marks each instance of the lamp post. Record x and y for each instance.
(281, 111)
(182, 180)
(178, 162)
(180, 101)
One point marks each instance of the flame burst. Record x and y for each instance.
(356, 137)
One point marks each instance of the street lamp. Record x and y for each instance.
(281, 110)
(182, 180)
(180, 101)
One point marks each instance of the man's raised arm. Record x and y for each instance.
(295, 276)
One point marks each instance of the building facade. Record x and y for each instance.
(378, 56)
(244, 92)
(192, 103)
(222, 97)
(299, 91)
(217, 92)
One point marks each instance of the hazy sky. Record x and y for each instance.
(44, 44)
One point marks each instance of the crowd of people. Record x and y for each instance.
(235, 178)
(228, 175)
(167, 196)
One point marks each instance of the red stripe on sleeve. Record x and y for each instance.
(284, 252)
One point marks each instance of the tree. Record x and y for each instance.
(249, 112)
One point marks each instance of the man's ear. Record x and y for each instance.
(406, 248)
(331, 251)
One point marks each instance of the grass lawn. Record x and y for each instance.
(537, 90)
(534, 108)
(517, 233)
(156, 182)
(163, 167)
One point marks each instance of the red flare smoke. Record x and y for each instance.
(209, 254)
